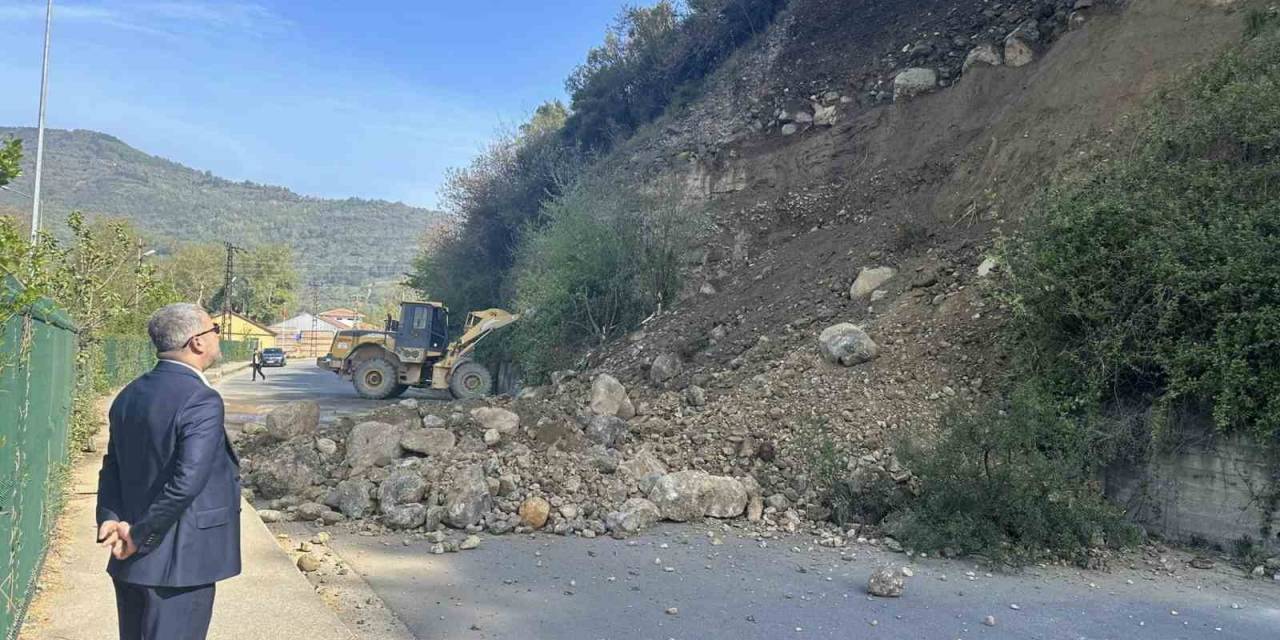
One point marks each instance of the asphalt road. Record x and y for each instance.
(546, 586)
(301, 379)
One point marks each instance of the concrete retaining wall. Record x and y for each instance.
(1208, 487)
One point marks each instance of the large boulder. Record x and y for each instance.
(609, 398)
(869, 280)
(287, 470)
(689, 495)
(468, 498)
(1020, 45)
(846, 344)
(607, 430)
(293, 419)
(431, 442)
(636, 514)
(886, 582)
(983, 54)
(405, 516)
(503, 421)
(913, 82)
(373, 444)
(403, 486)
(352, 498)
(534, 512)
(664, 368)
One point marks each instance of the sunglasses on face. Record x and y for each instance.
(215, 330)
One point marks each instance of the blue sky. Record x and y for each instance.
(367, 99)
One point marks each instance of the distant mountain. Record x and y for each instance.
(350, 241)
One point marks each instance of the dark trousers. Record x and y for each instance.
(163, 613)
(257, 371)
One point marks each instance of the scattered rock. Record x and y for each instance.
(468, 498)
(310, 511)
(404, 516)
(492, 437)
(403, 486)
(293, 419)
(308, 562)
(688, 495)
(885, 582)
(1020, 45)
(636, 514)
(987, 265)
(983, 54)
(270, 515)
(869, 280)
(609, 398)
(470, 543)
(824, 116)
(326, 447)
(846, 344)
(787, 129)
(695, 396)
(372, 444)
(664, 368)
(352, 497)
(990, 621)
(534, 512)
(503, 421)
(432, 441)
(913, 82)
(643, 464)
(609, 431)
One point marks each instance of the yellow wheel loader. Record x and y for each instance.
(415, 351)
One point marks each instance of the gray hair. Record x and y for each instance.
(173, 325)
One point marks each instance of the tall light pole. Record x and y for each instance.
(44, 94)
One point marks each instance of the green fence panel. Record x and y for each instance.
(37, 379)
(238, 350)
(122, 359)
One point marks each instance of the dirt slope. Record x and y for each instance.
(923, 186)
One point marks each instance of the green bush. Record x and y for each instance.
(1013, 482)
(1152, 279)
(605, 258)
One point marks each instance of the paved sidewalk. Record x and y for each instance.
(271, 599)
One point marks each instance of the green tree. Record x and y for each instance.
(10, 161)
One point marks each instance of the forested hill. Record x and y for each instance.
(348, 241)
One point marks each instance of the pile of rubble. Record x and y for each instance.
(580, 456)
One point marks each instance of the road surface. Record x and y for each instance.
(301, 380)
(723, 586)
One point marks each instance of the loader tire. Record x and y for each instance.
(470, 380)
(398, 391)
(376, 379)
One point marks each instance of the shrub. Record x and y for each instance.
(604, 259)
(1152, 278)
(1011, 481)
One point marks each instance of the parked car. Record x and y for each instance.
(273, 357)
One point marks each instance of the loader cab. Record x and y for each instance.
(422, 325)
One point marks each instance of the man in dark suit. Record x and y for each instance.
(169, 489)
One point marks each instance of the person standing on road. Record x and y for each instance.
(256, 363)
(169, 488)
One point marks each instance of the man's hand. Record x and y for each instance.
(108, 534)
(123, 547)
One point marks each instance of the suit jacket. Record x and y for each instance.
(170, 472)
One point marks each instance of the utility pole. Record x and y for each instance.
(228, 279)
(315, 308)
(44, 94)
